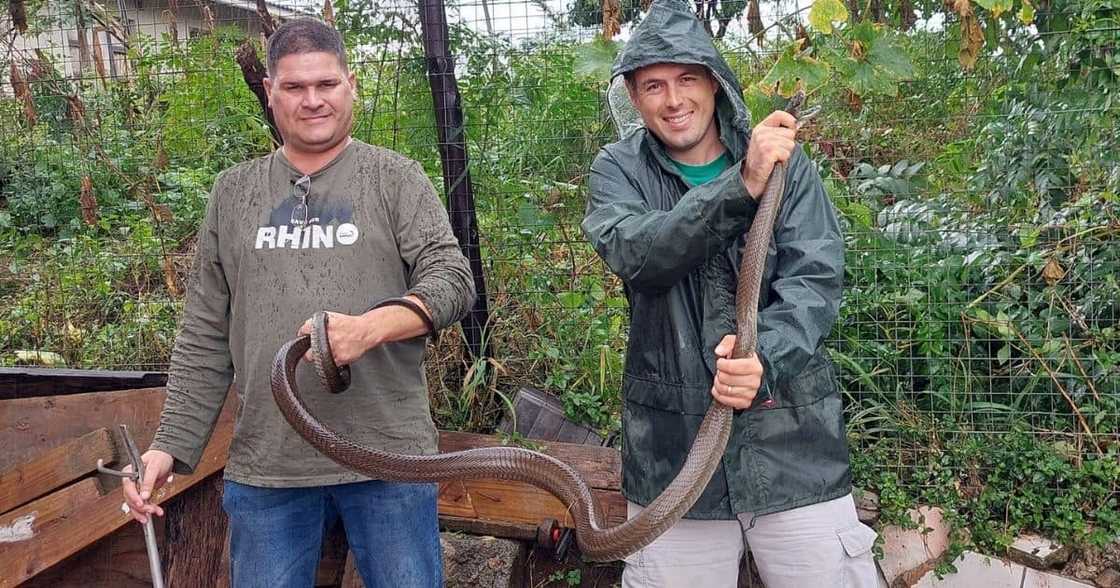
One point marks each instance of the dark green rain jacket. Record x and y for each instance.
(677, 251)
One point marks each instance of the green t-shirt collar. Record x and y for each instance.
(695, 175)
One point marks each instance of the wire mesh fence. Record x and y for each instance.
(979, 203)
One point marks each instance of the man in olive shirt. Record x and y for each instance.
(323, 223)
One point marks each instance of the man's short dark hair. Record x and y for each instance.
(304, 35)
(631, 75)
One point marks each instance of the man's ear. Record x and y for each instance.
(353, 79)
(268, 90)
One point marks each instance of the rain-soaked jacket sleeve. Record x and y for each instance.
(808, 276)
(651, 248)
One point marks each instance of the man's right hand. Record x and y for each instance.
(157, 470)
(772, 141)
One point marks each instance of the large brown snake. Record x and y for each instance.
(596, 542)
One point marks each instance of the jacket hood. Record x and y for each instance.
(671, 33)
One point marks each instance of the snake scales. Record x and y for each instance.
(596, 542)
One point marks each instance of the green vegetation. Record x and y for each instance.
(976, 168)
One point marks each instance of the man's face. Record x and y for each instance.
(312, 99)
(677, 103)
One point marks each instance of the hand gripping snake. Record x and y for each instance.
(596, 542)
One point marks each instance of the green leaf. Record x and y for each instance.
(532, 219)
(859, 213)
(825, 12)
(996, 7)
(594, 60)
(865, 32)
(1026, 12)
(1004, 354)
(861, 78)
(889, 58)
(571, 300)
(795, 69)
(1028, 236)
(876, 63)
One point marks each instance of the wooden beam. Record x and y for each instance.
(55, 468)
(29, 382)
(29, 519)
(600, 467)
(522, 531)
(499, 500)
(30, 426)
(119, 560)
(62, 536)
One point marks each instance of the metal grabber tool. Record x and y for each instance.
(136, 475)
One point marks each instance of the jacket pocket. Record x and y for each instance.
(816, 381)
(691, 399)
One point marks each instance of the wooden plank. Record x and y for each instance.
(55, 468)
(499, 500)
(521, 531)
(30, 382)
(63, 536)
(30, 518)
(454, 500)
(32, 425)
(600, 467)
(119, 560)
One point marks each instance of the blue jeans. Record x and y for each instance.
(276, 534)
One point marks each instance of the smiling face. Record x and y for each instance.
(677, 103)
(312, 98)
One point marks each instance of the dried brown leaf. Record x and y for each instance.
(268, 24)
(907, 18)
(18, 11)
(754, 21)
(1052, 272)
(170, 276)
(76, 110)
(208, 19)
(972, 39)
(855, 103)
(328, 12)
(171, 17)
(612, 17)
(160, 162)
(88, 202)
(23, 92)
(162, 213)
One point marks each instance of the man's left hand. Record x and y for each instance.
(737, 380)
(347, 334)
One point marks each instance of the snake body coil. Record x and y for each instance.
(596, 542)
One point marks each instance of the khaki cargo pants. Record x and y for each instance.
(817, 546)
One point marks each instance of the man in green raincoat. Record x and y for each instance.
(670, 204)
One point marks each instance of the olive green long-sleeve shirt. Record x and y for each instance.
(377, 230)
